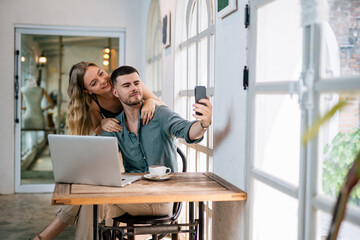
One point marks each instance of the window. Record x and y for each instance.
(300, 66)
(338, 140)
(275, 117)
(194, 66)
(195, 63)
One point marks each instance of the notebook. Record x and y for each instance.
(87, 160)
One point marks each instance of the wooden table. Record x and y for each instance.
(189, 187)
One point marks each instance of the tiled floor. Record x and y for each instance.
(22, 215)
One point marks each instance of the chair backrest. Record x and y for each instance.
(128, 219)
(177, 205)
(183, 158)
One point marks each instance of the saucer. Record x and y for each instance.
(155, 178)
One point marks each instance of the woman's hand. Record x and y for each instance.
(147, 111)
(111, 125)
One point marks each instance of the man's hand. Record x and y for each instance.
(198, 129)
(205, 110)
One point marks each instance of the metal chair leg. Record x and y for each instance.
(155, 237)
(130, 237)
(174, 236)
(114, 232)
(106, 235)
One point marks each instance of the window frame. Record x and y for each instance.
(309, 201)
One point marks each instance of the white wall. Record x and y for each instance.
(131, 15)
(229, 121)
(230, 98)
(168, 56)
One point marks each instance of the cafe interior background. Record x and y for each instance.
(301, 57)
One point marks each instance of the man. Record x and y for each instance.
(154, 143)
(144, 145)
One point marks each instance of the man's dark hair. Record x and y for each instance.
(120, 71)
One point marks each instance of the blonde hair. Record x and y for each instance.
(78, 118)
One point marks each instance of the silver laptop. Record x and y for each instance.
(87, 160)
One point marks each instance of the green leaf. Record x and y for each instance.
(340, 155)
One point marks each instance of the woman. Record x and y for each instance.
(92, 108)
(92, 105)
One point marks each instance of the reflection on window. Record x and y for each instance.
(44, 100)
(342, 39)
(339, 143)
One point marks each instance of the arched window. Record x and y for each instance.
(194, 66)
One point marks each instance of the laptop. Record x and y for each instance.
(87, 160)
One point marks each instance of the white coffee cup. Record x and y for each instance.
(159, 171)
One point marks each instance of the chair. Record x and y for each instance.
(154, 220)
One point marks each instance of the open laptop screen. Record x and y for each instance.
(87, 160)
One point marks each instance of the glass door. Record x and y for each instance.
(44, 58)
(275, 119)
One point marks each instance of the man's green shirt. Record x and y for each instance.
(155, 142)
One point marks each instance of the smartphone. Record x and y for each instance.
(200, 92)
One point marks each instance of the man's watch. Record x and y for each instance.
(201, 124)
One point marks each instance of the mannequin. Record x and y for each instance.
(33, 94)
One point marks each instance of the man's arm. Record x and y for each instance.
(198, 129)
